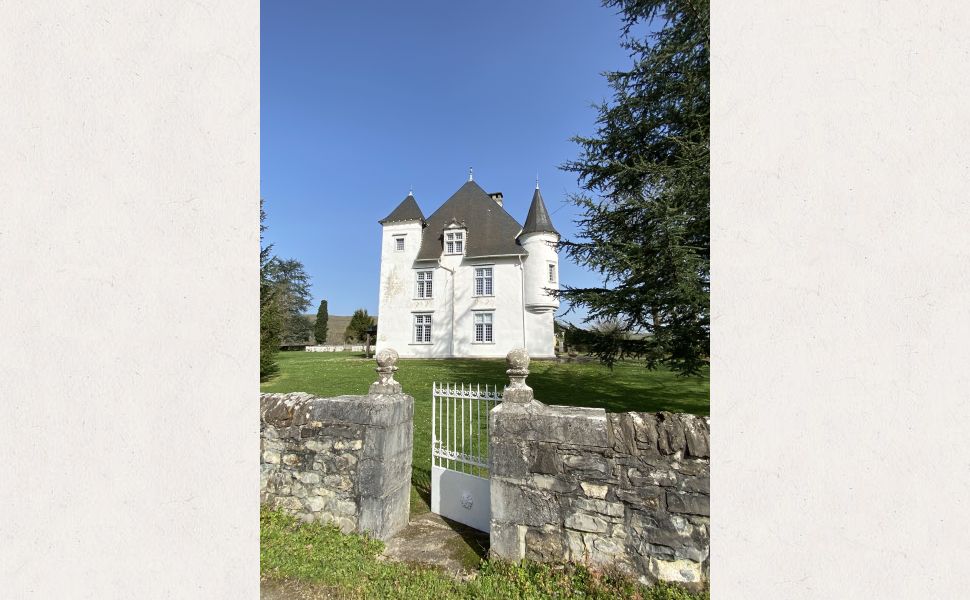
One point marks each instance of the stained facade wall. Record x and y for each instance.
(454, 303)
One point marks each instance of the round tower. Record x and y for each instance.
(539, 238)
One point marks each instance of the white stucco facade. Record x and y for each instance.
(479, 306)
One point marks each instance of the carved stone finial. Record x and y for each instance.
(386, 365)
(518, 363)
(386, 358)
(517, 390)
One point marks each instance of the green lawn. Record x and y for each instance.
(629, 387)
(323, 563)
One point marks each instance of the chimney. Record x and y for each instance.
(497, 196)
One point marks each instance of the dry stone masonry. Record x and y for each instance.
(628, 490)
(345, 460)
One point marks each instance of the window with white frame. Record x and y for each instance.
(483, 328)
(552, 272)
(399, 243)
(423, 284)
(422, 328)
(483, 281)
(454, 242)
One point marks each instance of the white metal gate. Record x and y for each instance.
(459, 452)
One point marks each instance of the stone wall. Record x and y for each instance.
(338, 348)
(345, 460)
(629, 490)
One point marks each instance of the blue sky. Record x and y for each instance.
(361, 101)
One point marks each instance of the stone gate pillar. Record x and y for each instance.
(345, 460)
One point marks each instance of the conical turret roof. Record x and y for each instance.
(538, 219)
(407, 210)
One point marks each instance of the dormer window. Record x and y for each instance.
(454, 242)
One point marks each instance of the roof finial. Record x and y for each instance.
(470, 174)
(537, 179)
(411, 191)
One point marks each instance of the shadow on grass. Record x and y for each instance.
(629, 387)
(473, 548)
(421, 481)
(470, 546)
(605, 389)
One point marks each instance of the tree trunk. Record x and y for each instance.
(655, 314)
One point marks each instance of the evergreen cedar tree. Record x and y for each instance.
(270, 323)
(320, 326)
(291, 286)
(359, 324)
(299, 329)
(646, 221)
(284, 295)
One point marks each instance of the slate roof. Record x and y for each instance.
(491, 230)
(407, 210)
(538, 218)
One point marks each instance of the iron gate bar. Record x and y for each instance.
(457, 430)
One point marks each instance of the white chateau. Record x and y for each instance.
(468, 281)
